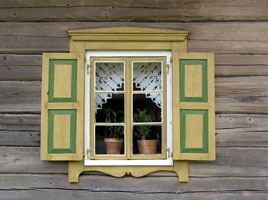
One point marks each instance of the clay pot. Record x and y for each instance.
(113, 145)
(147, 146)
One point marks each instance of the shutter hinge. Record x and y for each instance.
(169, 153)
(171, 59)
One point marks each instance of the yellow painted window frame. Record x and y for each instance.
(125, 39)
(128, 92)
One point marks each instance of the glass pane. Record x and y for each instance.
(109, 140)
(147, 76)
(109, 108)
(147, 139)
(109, 76)
(147, 107)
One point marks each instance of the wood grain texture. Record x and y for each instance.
(93, 183)
(246, 37)
(159, 10)
(20, 67)
(28, 67)
(20, 96)
(231, 161)
(234, 130)
(43, 194)
(232, 95)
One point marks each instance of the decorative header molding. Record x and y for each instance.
(128, 34)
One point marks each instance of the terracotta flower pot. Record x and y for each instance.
(147, 146)
(113, 145)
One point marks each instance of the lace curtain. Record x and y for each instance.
(110, 77)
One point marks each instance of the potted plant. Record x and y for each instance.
(113, 140)
(146, 145)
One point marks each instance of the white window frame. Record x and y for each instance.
(153, 162)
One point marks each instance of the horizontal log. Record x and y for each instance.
(43, 194)
(145, 3)
(234, 130)
(19, 138)
(238, 162)
(233, 94)
(240, 130)
(134, 11)
(20, 122)
(242, 94)
(92, 183)
(212, 37)
(18, 96)
(241, 31)
(27, 160)
(28, 67)
(20, 67)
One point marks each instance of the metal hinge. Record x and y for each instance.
(171, 59)
(169, 153)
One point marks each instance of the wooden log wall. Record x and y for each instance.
(236, 31)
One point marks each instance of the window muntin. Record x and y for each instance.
(112, 87)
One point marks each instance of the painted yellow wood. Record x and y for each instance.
(194, 131)
(62, 85)
(178, 106)
(113, 39)
(128, 34)
(61, 131)
(128, 109)
(134, 46)
(76, 168)
(193, 81)
(78, 106)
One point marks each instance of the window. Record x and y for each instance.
(135, 85)
(125, 84)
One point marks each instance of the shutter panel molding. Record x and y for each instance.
(62, 107)
(193, 91)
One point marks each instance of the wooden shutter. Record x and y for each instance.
(62, 120)
(193, 106)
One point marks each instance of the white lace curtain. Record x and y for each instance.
(110, 77)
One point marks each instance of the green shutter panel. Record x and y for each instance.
(193, 91)
(62, 106)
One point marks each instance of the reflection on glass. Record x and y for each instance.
(109, 76)
(147, 107)
(109, 140)
(147, 139)
(109, 107)
(147, 76)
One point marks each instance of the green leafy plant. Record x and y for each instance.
(142, 132)
(112, 117)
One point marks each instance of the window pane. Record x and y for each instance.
(147, 107)
(109, 140)
(147, 139)
(109, 76)
(147, 76)
(109, 108)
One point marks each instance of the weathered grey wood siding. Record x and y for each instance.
(236, 31)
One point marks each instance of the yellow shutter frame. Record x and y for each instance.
(193, 109)
(62, 106)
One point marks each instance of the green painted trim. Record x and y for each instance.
(204, 97)
(51, 114)
(183, 131)
(52, 63)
